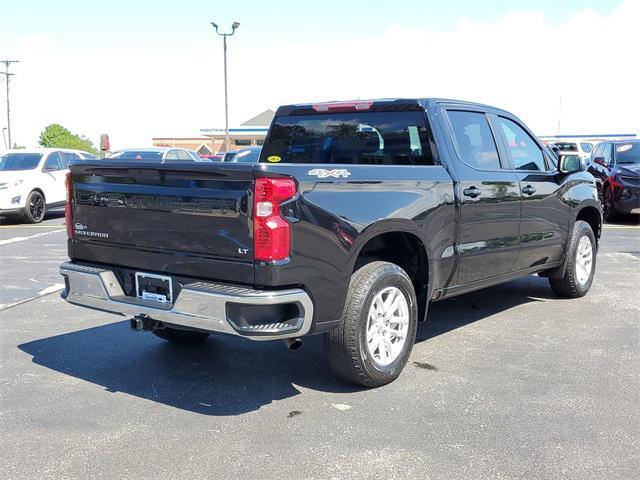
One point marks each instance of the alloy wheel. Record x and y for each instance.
(387, 325)
(584, 260)
(36, 207)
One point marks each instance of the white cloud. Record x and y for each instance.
(523, 63)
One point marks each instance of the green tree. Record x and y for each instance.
(57, 136)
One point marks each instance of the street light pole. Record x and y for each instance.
(226, 97)
(7, 75)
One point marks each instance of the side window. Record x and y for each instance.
(474, 139)
(525, 153)
(172, 155)
(183, 155)
(607, 154)
(53, 162)
(68, 157)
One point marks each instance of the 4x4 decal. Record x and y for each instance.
(335, 173)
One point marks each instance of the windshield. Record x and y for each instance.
(19, 161)
(136, 155)
(567, 147)
(379, 138)
(628, 153)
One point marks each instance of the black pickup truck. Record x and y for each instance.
(356, 217)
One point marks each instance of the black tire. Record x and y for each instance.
(36, 208)
(609, 213)
(569, 286)
(346, 346)
(181, 337)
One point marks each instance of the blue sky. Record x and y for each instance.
(143, 69)
(116, 22)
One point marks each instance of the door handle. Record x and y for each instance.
(472, 192)
(528, 190)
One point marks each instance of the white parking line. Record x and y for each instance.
(25, 227)
(56, 287)
(621, 227)
(22, 239)
(53, 288)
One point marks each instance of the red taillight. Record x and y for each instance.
(271, 232)
(343, 106)
(68, 211)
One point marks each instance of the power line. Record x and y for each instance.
(7, 76)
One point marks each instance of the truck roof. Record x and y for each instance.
(380, 104)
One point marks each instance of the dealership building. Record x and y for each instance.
(211, 140)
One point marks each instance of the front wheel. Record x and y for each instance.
(373, 343)
(36, 208)
(608, 205)
(581, 263)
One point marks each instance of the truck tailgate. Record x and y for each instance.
(180, 210)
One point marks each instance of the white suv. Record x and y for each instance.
(582, 148)
(31, 181)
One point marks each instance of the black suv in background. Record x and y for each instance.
(616, 167)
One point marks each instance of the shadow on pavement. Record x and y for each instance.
(228, 375)
(629, 220)
(17, 221)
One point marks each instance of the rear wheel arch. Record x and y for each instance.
(592, 216)
(405, 249)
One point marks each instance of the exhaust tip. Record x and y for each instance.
(293, 343)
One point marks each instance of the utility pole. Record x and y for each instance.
(224, 36)
(559, 114)
(7, 75)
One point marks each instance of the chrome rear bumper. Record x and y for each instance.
(199, 305)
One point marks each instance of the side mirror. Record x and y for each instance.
(570, 164)
(599, 161)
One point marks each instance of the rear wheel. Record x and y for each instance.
(36, 208)
(183, 337)
(581, 264)
(608, 205)
(373, 343)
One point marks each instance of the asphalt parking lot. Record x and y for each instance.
(510, 382)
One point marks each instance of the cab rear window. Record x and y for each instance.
(369, 138)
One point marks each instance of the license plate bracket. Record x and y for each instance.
(155, 288)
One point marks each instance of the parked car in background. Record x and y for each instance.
(216, 157)
(32, 181)
(245, 155)
(616, 166)
(155, 154)
(582, 149)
